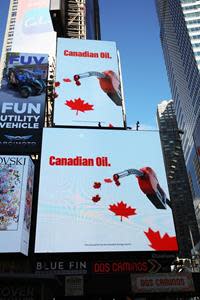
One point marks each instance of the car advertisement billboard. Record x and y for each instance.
(33, 28)
(22, 103)
(88, 85)
(16, 190)
(106, 192)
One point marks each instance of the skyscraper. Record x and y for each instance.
(180, 38)
(9, 32)
(76, 19)
(178, 183)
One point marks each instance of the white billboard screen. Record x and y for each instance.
(102, 190)
(33, 28)
(88, 84)
(16, 190)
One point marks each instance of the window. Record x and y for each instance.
(193, 29)
(187, 1)
(194, 14)
(195, 37)
(193, 22)
(191, 7)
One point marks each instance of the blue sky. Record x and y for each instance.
(134, 26)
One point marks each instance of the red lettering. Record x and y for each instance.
(146, 282)
(144, 267)
(101, 267)
(66, 52)
(51, 160)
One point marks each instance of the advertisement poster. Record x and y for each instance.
(22, 103)
(106, 192)
(33, 28)
(88, 84)
(16, 190)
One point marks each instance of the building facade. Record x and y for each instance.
(76, 19)
(9, 33)
(178, 183)
(179, 33)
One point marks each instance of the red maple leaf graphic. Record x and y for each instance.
(122, 210)
(96, 198)
(57, 83)
(97, 185)
(66, 80)
(107, 180)
(110, 125)
(79, 105)
(159, 243)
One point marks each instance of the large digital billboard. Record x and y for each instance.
(22, 103)
(16, 191)
(88, 84)
(33, 28)
(102, 191)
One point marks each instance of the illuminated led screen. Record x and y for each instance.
(16, 190)
(103, 190)
(88, 84)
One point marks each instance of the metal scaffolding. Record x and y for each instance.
(75, 19)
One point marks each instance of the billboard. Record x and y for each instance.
(16, 189)
(33, 28)
(22, 103)
(88, 84)
(106, 192)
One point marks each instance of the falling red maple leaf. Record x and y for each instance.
(96, 198)
(97, 185)
(159, 243)
(66, 80)
(110, 125)
(107, 180)
(57, 84)
(79, 105)
(122, 210)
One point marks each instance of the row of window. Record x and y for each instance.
(193, 29)
(194, 14)
(195, 37)
(196, 45)
(193, 22)
(197, 167)
(191, 7)
(188, 1)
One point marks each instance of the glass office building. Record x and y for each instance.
(177, 178)
(180, 38)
